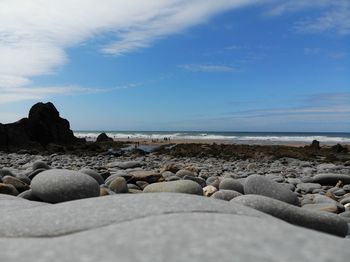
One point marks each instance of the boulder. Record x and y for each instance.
(103, 138)
(43, 125)
(320, 221)
(260, 185)
(59, 185)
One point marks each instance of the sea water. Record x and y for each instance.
(234, 137)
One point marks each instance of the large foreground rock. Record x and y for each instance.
(59, 185)
(86, 214)
(163, 227)
(11, 203)
(321, 221)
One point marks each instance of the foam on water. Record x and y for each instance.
(228, 136)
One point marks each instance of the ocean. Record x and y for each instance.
(234, 137)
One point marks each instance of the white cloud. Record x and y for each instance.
(209, 68)
(279, 7)
(17, 94)
(331, 16)
(323, 105)
(35, 33)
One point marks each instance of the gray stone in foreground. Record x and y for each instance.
(260, 185)
(180, 186)
(331, 179)
(321, 221)
(86, 214)
(181, 238)
(12, 203)
(59, 185)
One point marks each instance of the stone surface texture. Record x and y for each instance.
(178, 231)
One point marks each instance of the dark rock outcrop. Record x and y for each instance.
(315, 145)
(43, 126)
(104, 138)
(338, 148)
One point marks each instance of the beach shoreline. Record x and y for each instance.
(160, 142)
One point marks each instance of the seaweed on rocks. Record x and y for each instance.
(258, 152)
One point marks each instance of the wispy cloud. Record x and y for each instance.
(322, 103)
(278, 7)
(17, 94)
(336, 19)
(310, 51)
(35, 34)
(331, 16)
(318, 112)
(209, 68)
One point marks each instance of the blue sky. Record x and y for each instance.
(225, 65)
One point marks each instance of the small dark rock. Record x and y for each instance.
(18, 184)
(8, 189)
(103, 138)
(315, 145)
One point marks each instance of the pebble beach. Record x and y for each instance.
(152, 206)
(170, 201)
